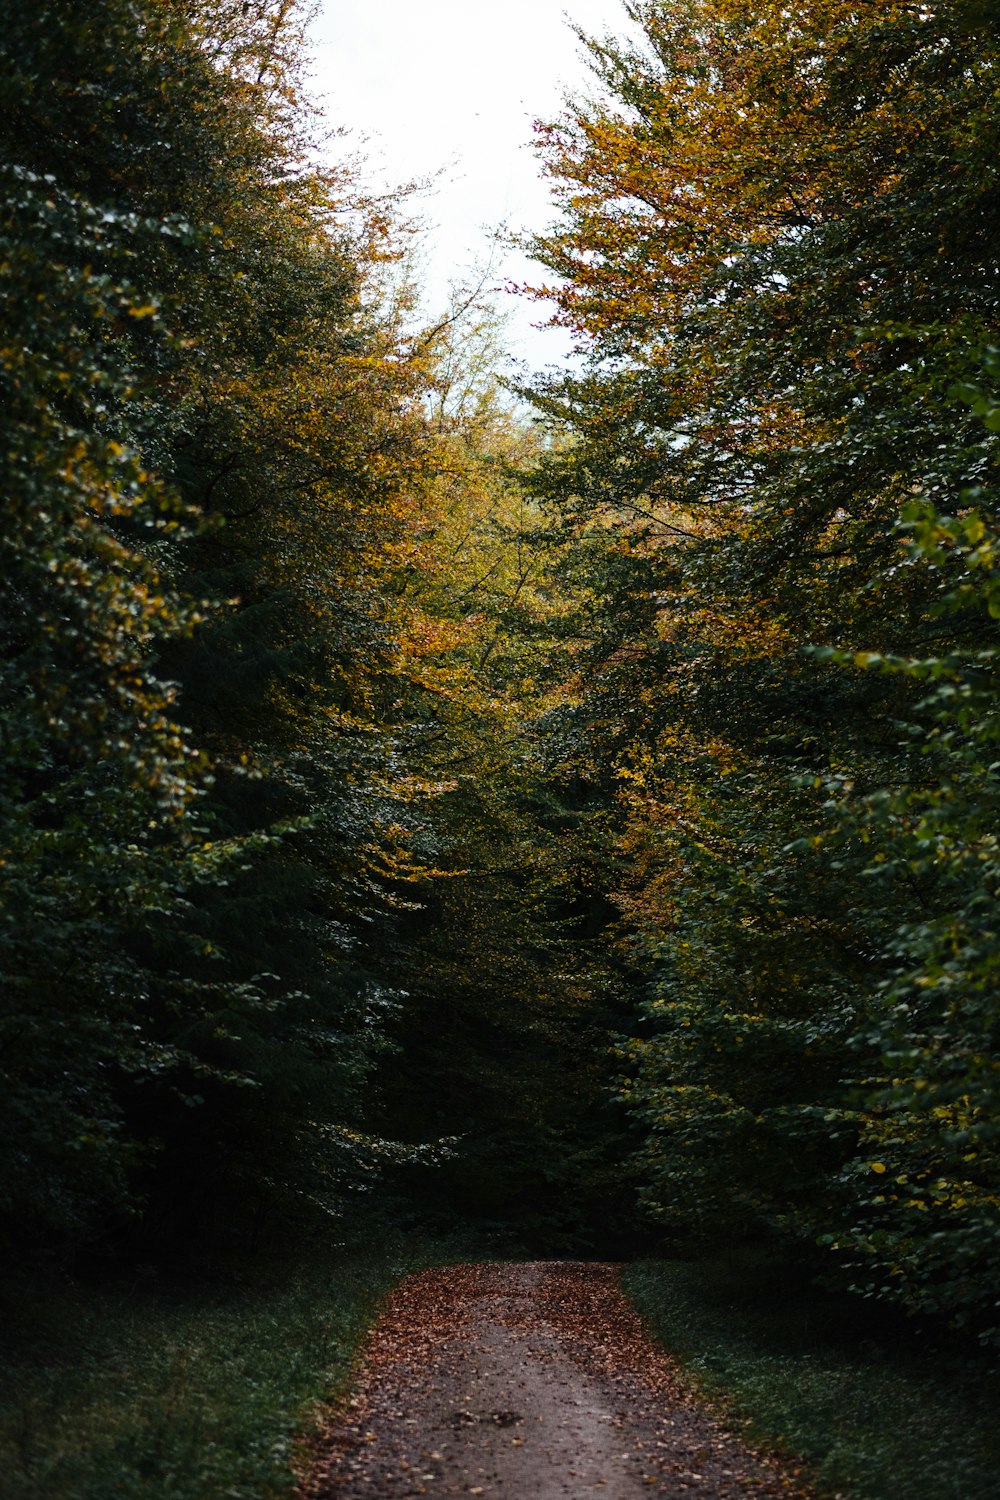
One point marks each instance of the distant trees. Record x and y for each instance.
(503, 1043)
(778, 243)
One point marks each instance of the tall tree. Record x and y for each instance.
(215, 424)
(778, 245)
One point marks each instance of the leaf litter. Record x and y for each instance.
(535, 1379)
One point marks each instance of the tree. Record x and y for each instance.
(214, 426)
(776, 244)
(505, 1039)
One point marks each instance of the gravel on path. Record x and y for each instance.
(532, 1381)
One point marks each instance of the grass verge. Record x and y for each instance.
(131, 1390)
(873, 1415)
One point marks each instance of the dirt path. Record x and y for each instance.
(529, 1382)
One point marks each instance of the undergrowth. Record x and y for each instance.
(871, 1413)
(131, 1389)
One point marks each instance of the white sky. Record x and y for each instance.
(456, 84)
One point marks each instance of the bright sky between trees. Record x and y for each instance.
(455, 85)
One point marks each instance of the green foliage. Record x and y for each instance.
(357, 793)
(929, 1193)
(781, 486)
(276, 623)
(504, 1042)
(98, 777)
(123, 1388)
(871, 1414)
(211, 422)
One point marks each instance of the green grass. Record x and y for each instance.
(873, 1414)
(139, 1390)
(134, 1392)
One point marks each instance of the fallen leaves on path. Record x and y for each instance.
(531, 1379)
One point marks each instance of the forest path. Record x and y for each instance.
(532, 1380)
